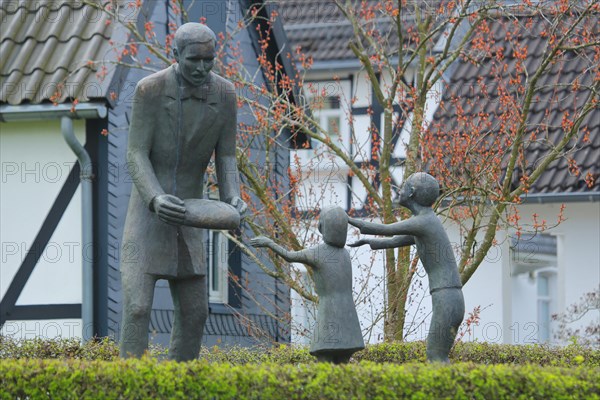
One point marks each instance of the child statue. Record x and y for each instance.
(337, 334)
(424, 229)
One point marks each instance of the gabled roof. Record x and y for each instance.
(318, 27)
(47, 42)
(323, 32)
(557, 95)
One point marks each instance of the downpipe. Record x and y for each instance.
(87, 248)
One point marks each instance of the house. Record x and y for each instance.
(524, 280)
(537, 275)
(62, 220)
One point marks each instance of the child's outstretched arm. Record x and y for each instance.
(391, 243)
(411, 226)
(302, 256)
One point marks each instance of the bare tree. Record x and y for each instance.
(480, 156)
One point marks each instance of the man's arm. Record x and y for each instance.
(169, 208)
(388, 243)
(228, 176)
(139, 145)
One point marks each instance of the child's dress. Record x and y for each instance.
(337, 322)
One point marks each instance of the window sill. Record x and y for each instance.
(219, 308)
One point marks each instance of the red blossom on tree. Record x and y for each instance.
(478, 146)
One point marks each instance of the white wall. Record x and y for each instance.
(578, 258)
(35, 164)
(524, 321)
(368, 273)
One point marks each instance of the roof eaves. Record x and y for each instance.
(565, 197)
(336, 65)
(33, 112)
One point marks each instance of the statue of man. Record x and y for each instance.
(181, 116)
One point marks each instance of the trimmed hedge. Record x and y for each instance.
(486, 353)
(147, 378)
(398, 353)
(105, 349)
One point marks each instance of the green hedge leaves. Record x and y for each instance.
(67, 369)
(398, 353)
(148, 378)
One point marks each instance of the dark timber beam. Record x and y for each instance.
(54, 216)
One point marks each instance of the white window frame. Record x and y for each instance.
(218, 264)
(340, 89)
(538, 265)
(342, 126)
(544, 321)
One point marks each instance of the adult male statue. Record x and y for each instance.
(181, 116)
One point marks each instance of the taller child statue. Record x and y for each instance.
(181, 115)
(425, 230)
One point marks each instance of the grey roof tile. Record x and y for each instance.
(44, 43)
(322, 31)
(557, 84)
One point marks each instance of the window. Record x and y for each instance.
(218, 267)
(534, 285)
(324, 175)
(545, 289)
(329, 103)
(218, 259)
(330, 117)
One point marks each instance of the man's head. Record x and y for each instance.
(195, 51)
(420, 188)
(333, 225)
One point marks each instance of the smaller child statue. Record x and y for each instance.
(424, 229)
(337, 334)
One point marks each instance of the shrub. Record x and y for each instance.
(397, 353)
(487, 353)
(102, 349)
(282, 354)
(147, 378)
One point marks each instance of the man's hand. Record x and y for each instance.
(356, 222)
(170, 209)
(260, 241)
(239, 205)
(360, 242)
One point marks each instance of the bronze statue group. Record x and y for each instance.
(181, 116)
(337, 333)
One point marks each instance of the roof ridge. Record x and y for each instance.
(9, 39)
(47, 72)
(345, 22)
(305, 25)
(75, 5)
